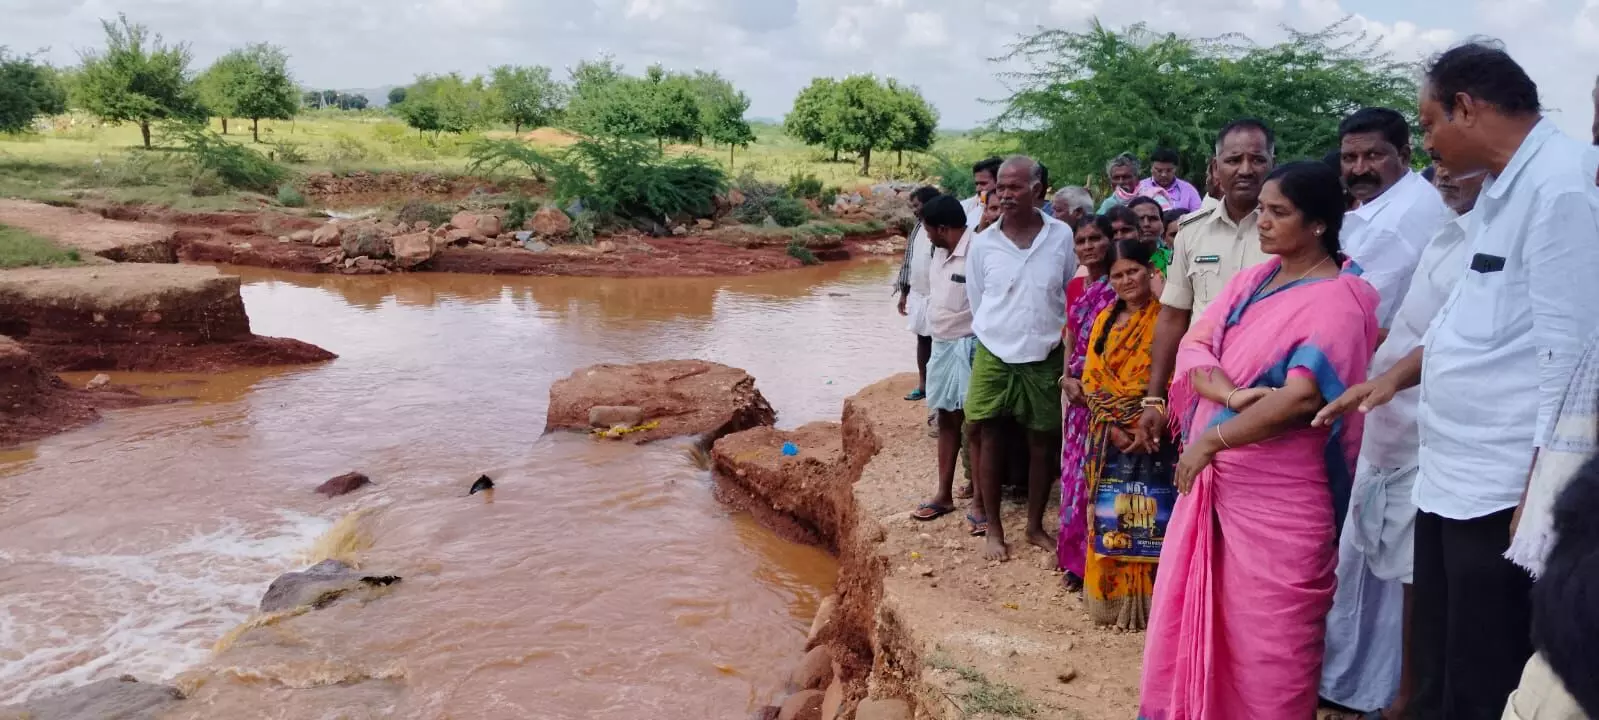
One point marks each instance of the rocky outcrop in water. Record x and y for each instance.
(343, 484)
(319, 586)
(123, 698)
(676, 397)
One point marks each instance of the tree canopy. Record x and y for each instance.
(661, 105)
(861, 114)
(725, 123)
(136, 78)
(527, 96)
(1088, 96)
(252, 82)
(396, 95)
(27, 90)
(446, 103)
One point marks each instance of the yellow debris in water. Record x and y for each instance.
(726, 669)
(256, 621)
(915, 555)
(1012, 606)
(621, 430)
(344, 542)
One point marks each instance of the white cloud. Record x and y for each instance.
(772, 48)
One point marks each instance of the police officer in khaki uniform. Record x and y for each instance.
(1211, 247)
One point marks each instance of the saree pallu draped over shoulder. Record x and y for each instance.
(1246, 571)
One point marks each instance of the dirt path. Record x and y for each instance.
(91, 234)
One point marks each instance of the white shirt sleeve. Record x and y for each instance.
(1561, 252)
(974, 275)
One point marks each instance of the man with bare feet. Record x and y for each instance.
(1016, 273)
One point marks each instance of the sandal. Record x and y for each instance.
(927, 511)
(917, 394)
(979, 527)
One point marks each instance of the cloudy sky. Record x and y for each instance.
(772, 48)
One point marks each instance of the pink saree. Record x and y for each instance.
(1246, 571)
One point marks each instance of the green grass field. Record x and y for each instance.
(19, 248)
(77, 157)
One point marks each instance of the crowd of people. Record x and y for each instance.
(1312, 429)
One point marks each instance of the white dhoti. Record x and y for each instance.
(917, 320)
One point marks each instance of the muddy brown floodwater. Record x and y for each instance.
(604, 581)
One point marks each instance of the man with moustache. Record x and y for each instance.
(1016, 274)
(1398, 211)
(1492, 368)
(984, 174)
(1212, 246)
(1364, 668)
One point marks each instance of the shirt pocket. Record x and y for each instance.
(1205, 281)
(1492, 306)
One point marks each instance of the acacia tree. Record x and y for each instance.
(526, 95)
(1087, 96)
(673, 110)
(811, 121)
(725, 123)
(137, 78)
(252, 82)
(445, 103)
(27, 90)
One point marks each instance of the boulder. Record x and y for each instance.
(769, 712)
(705, 223)
(414, 249)
(735, 198)
(458, 237)
(815, 671)
(550, 223)
(328, 235)
(605, 247)
(421, 226)
(824, 617)
(884, 709)
(364, 240)
(833, 699)
(685, 397)
(343, 484)
(679, 230)
(609, 416)
(319, 586)
(98, 381)
(485, 225)
(805, 705)
(123, 698)
(301, 236)
(537, 246)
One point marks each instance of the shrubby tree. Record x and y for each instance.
(396, 96)
(136, 78)
(27, 90)
(672, 109)
(725, 124)
(915, 121)
(811, 121)
(446, 103)
(526, 96)
(1090, 95)
(252, 82)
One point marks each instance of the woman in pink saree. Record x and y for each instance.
(1246, 569)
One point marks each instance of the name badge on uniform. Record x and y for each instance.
(1207, 259)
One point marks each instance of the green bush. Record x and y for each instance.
(517, 212)
(788, 212)
(798, 251)
(583, 228)
(287, 152)
(614, 177)
(804, 185)
(829, 195)
(435, 214)
(954, 178)
(207, 183)
(234, 165)
(290, 197)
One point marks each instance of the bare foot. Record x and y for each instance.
(1041, 539)
(996, 549)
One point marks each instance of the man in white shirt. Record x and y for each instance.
(1375, 553)
(949, 315)
(1016, 274)
(913, 289)
(1399, 211)
(984, 174)
(1492, 368)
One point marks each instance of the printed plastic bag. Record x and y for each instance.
(1132, 505)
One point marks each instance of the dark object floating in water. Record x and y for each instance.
(380, 580)
(342, 484)
(483, 483)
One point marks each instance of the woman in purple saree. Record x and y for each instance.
(1246, 569)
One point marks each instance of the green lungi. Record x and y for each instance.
(1028, 392)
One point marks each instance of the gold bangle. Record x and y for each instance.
(1228, 403)
(1222, 438)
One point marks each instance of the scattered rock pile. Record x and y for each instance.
(368, 246)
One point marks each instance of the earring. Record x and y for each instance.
(1318, 232)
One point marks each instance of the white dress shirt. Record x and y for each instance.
(1391, 439)
(921, 261)
(1501, 352)
(1386, 237)
(1018, 297)
(974, 211)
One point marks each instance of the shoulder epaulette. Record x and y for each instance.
(1195, 217)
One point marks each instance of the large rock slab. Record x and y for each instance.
(680, 397)
(91, 234)
(138, 317)
(123, 698)
(319, 586)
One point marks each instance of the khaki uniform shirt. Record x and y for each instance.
(1210, 250)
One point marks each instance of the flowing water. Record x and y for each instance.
(602, 581)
